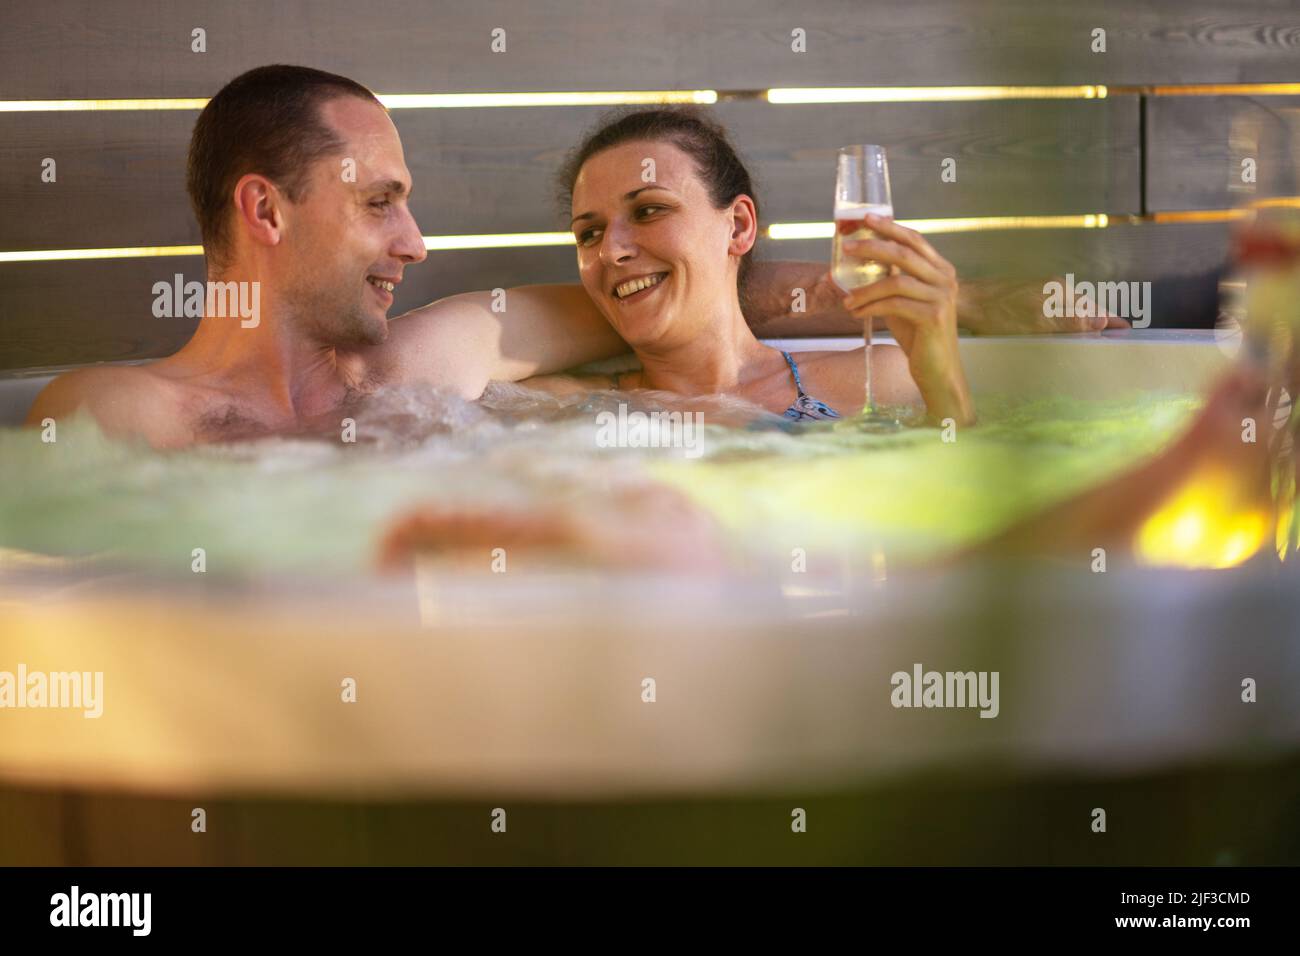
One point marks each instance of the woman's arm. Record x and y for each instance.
(918, 302)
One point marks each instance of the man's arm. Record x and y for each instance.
(792, 299)
(984, 306)
(462, 342)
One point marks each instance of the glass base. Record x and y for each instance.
(877, 422)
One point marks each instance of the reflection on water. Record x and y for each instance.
(314, 503)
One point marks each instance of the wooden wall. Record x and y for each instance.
(121, 174)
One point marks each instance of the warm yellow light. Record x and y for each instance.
(501, 240)
(1186, 529)
(1203, 526)
(61, 106)
(801, 230)
(520, 240)
(825, 230)
(424, 101)
(125, 252)
(1229, 89)
(1202, 215)
(780, 95)
(395, 101)
(917, 94)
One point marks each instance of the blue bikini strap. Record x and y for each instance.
(794, 370)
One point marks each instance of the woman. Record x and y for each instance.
(665, 220)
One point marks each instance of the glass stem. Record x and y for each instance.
(870, 407)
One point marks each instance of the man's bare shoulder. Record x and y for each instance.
(124, 399)
(565, 386)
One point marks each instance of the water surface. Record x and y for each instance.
(314, 504)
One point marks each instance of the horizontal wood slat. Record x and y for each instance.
(142, 48)
(64, 313)
(1196, 145)
(121, 176)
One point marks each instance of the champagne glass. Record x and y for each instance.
(861, 188)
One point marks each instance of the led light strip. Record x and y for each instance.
(779, 231)
(500, 240)
(1198, 215)
(923, 94)
(519, 240)
(442, 101)
(132, 252)
(1225, 89)
(786, 95)
(1223, 215)
(825, 230)
(63, 106)
(397, 101)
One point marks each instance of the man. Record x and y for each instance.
(299, 184)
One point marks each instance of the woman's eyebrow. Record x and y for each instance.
(626, 196)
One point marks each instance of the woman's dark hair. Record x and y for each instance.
(692, 131)
(264, 121)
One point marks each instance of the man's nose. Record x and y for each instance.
(616, 244)
(409, 246)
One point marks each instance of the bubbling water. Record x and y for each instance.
(313, 504)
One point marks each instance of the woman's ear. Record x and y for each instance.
(744, 225)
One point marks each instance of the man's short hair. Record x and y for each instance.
(264, 121)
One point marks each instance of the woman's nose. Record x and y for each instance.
(616, 245)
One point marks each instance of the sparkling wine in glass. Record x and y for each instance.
(861, 188)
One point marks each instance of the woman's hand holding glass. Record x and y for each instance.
(918, 302)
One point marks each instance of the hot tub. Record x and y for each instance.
(1076, 365)
(318, 713)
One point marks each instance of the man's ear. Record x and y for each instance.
(259, 209)
(744, 225)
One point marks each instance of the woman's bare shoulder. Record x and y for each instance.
(839, 376)
(885, 357)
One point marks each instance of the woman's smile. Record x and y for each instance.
(633, 290)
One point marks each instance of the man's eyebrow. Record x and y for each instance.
(626, 196)
(388, 186)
